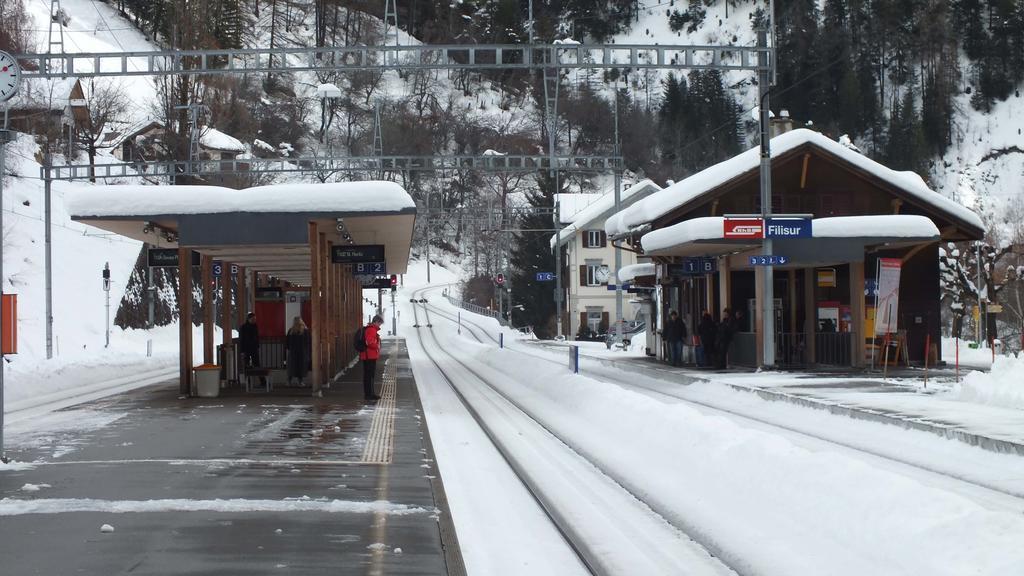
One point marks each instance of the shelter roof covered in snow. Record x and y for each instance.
(693, 190)
(248, 227)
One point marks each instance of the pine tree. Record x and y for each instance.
(531, 254)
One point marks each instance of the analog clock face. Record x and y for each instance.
(10, 74)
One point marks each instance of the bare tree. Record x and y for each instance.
(106, 103)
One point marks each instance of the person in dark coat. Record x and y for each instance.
(249, 341)
(675, 333)
(707, 331)
(723, 338)
(297, 346)
(369, 356)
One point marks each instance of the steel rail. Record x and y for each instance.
(977, 483)
(591, 559)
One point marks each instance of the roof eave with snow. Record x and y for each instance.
(692, 190)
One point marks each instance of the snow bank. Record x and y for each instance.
(1003, 386)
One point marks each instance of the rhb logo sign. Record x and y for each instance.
(743, 228)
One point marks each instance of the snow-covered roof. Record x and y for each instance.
(603, 207)
(43, 94)
(569, 205)
(686, 191)
(137, 200)
(214, 139)
(629, 273)
(136, 129)
(710, 229)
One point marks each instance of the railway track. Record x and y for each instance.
(994, 494)
(611, 531)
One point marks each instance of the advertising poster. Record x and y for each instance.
(888, 298)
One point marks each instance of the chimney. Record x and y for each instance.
(781, 124)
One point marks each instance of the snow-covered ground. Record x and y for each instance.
(767, 503)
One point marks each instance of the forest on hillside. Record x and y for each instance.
(887, 73)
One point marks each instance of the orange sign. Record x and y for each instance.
(9, 330)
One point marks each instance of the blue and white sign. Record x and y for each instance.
(545, 276)
(369, 268)
(692, 267)
(788, 228)
(625, 286)
(773, 260)
(218, 268)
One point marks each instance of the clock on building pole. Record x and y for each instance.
(10, 76)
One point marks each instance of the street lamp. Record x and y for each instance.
(326, 92)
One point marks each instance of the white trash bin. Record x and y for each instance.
(207, 381)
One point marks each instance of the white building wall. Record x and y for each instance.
(582, 297)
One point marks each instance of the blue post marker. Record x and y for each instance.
(460, 321)
(501, 339)
(574, 358)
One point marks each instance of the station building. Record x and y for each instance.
(859, 212)
(281, 243)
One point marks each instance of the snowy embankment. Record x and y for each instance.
(81, 359)
(765, 503)
(1003, 386)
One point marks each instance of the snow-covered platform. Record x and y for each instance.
(902, 400)
(240, 484)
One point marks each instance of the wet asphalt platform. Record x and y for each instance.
(257, 483)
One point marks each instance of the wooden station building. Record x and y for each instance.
(280, 235)
(858, 211)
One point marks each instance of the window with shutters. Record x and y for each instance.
(593, 239)
(593, 273)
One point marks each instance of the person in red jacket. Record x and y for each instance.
(371, 334)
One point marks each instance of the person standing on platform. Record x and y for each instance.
(723, 338)
(706, 331)
(249, 342)
(297, 345)
(369, 356)
(675, 333)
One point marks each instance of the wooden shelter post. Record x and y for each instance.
(185, 320)
(206, 278)
(315, 304)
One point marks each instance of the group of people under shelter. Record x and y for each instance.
(710, 337)
(298, 346)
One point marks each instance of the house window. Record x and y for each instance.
(593, 273)
(594, 316)
(593, 239)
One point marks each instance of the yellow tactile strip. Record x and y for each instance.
(380, 444)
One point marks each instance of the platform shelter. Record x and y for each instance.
(854, 211)
(274, 239)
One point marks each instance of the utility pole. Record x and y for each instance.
(558, 269)
(618, 207)
(8, 88)
(48, 254)
(768, 302)
(3, 142)
(428, 237)
(981, 313)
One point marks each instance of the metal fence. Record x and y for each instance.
(832, 348)
(475, 309)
